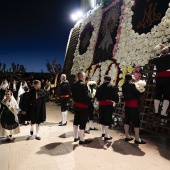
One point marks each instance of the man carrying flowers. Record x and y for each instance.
(131, 96)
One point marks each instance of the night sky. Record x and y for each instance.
(34, 31)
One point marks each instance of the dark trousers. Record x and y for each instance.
(105, 115)
(81, 117)
(64, 102)
(162, 88)
(132, 116)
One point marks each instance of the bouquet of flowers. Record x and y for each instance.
(92, 87)
(140, 85)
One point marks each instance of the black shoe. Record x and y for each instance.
(84, 142)
(60, 122)
(109, 138)
(38, 138)
(156, 114)
(103, 135)
(93, 128)
(163, 116)
(141, 142)
(87, 131)
(168, 116)
(76, 139)
(8, 140)
(63, 124)
(31, 132)
(128, 139)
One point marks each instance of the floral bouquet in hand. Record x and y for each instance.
(140, 85)
(92, 87)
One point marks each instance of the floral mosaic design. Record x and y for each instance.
(107, 34)
(131, 48)
(85, 38)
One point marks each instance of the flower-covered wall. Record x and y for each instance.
(116, 38)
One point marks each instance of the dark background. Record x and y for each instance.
(34, 31)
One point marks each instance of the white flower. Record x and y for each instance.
(140, 85)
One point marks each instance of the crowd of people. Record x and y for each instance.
(30, 102)
(28, 105)
(107, 97)
(22, 103)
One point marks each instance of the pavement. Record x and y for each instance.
(57, 151)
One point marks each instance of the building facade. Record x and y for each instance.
(86, 5)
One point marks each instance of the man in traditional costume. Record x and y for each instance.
(131, 97)
(82, 99)
(35, 106)
(63, 93)
(162, 89)
(92, 92)
(107, 95)
(24, 118)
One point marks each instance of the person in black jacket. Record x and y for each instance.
(63, 93)
(107, 95)
(91, 107)
(14, 88)
(34, 105)
(162, 89)
(24, 119)
(131, 97)
(82, 99)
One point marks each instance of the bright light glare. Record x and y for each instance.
(80, 14)
(76, 15)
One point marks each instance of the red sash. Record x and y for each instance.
(80, 105)
(163, 74)
(105, 102)
(132, 103)
(64, 96)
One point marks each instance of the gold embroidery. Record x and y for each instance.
(149, 17)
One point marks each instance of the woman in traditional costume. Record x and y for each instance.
(9, 118)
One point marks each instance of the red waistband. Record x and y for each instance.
(64, 96)
(132, 103)
(163, 74)
(105, 102)
(80, 105)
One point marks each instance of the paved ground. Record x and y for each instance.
(57, 151)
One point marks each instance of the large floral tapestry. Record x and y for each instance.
(107, 34)
(124, 37)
